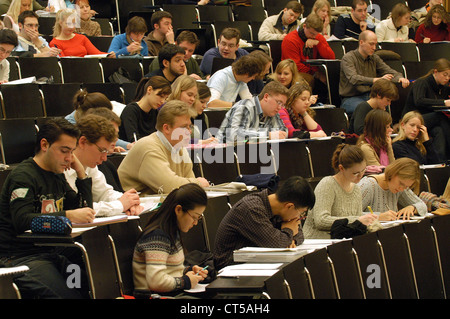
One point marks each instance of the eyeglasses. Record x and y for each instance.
(196, 219)
(102, 150)
(280, 103)
(360, 172)
(227, 45)
(188, 127)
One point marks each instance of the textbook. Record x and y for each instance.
(275, 255)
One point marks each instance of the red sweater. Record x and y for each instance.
(434, 32)
(284, 115)
(79, 46)
(292, 48)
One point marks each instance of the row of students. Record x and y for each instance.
(347, 193)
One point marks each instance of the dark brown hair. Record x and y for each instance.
(346, 155)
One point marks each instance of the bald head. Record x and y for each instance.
(367, 43)
(365, 35)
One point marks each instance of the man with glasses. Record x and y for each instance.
(230, 82)
(29, 39)
(98, 137)
(8, 41)
(264, 219)
(159, 163)
(228, 48)
(256, 118)
(37, 187)
(276, 27)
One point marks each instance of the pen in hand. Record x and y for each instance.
(204, 268)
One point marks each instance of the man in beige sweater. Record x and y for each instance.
(159, 162)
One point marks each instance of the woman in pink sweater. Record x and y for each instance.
(297, 115)
(70, 43)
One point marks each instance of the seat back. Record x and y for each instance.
(321, 152)
(320, 270)
(125, 236)
(398, 263)
(372, 265)
(297, 279)
(425, 259)
(41, 67)
(58, 98)
(18, 137)
(132, 65)
(215, 211)
(285, 152)
(331, 119)
(275, 287)
(81, 70)
(348, 274)
(434, 51)
(16, 104)
(408, 51)
(441, 225)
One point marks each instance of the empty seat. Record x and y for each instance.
(18, 137)
(58, 98)
(16, 104)
(434, 51)
(332, 119)
(347, 269)
(102, 42)
(41, 67)
(215, 211)
(408, 51)
(81, 70)
(297, 280)
(14, 68)
(321, 152)
(323, 283)
(398, 263)
(112, 91)
(425, 258)
(133, 66)
(275, 287)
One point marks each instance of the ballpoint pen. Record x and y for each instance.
(204, 268)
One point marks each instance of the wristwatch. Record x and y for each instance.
(42, 46)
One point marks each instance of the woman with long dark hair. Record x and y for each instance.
(158, 261)
(376, 141)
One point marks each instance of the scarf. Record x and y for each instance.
(307, 52)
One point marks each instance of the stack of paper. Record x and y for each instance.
(261, 254)
(243, 270)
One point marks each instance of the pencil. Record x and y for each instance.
(370, 208)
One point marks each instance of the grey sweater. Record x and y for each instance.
(332, 203)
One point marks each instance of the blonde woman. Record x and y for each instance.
(184, 88)
(413, 140)
(17, 7)
(69, 42)
(322, 8)
(287, 74)
(398, 185)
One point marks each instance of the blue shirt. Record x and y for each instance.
(212, 53)
(119, 45)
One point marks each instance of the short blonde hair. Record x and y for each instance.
(172, 110)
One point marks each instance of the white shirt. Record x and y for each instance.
(223, 86)
(105, 198)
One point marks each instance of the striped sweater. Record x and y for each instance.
(158, 265)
